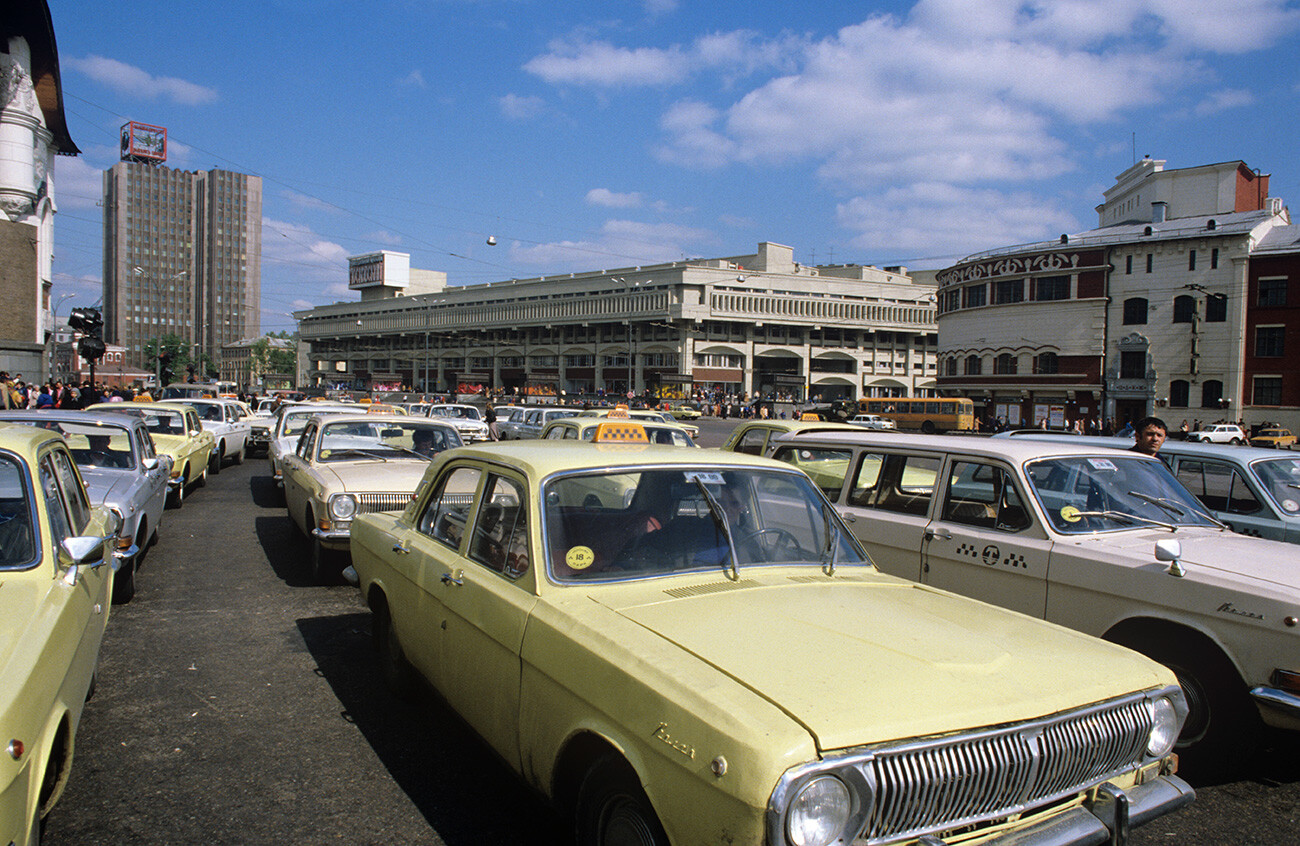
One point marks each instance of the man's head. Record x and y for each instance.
(98, 443)
(422, 441)
(1149, 435)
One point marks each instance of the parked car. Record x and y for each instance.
(229, 425)
(350, 464)
(177, 433)
(1274, 438)
(509, 419)
(1250, 490)
(754, 437)
(56, 579)
(684, 411)
(872, 421)
(741, 673)
(1219, 433)
(290, 422)
(586, 428)
(116, 458)
(645, 415)
(467, 419)
(1100, 540)
(260, 424)
(535, 420)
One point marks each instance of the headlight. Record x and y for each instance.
(1164, 727)
(818, 812)
(343, 507)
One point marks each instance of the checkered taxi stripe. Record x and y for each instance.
(991, 556)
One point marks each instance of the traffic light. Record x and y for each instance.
(189, 372)
(90, 323)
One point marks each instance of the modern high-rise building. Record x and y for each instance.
(182, 255)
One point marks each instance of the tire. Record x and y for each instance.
(238, 457)
(928, 427)
(399, 675)
(124, 584)
(1235, 441)
(613, 809)
(214, 460)
(202, 480)
(1222, 728)
(177, 495)
(321, 563)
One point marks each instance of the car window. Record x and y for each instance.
(306, 441)
(1220, 486)
(17, 540)
(894, 482)
(447, 512)
(99, 446)
(557, 433)
(752, 442)
(984, 496)
(668, 436)
(1281, 478)
(500, 539)
(826, 466)
(1090, 493)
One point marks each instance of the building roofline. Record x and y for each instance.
(32, 21)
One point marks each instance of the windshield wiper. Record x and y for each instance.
(356, 451)
(1125, 517)
(830, 556)
(1172, 508)
(720, 520)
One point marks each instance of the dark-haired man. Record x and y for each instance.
(1149, 435)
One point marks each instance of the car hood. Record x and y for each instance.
(860, 660)
(107, 486)
(395, 474)
(1223, 552)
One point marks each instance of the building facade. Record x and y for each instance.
(182, 255)
(1146, 314)
(32, 132)
(760, 325)
(242, 364)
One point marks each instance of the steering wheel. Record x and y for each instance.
(771, 541)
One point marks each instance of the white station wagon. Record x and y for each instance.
(1099, 540)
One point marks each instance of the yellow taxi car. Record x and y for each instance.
(177, 432)
(54, 603)
(754, 437)
(714, 659)
(587, 429)
(1273, 437)
(350, 464)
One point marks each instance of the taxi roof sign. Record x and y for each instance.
(620, 432)
(809, 415)
(618, 412)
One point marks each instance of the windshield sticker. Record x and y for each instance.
(706, 478)
(1070, 514)
(1101, 464)
(579, 557)
(1290, 505)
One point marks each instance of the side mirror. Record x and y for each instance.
(1171, 551)
(150, 463)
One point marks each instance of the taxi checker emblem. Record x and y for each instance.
(991, 555)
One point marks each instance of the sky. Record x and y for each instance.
(583, 136)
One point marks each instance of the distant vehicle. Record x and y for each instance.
(586, 428)
(928, 415)
(229, 425)
(1274, 438)
(198, 390)
(176, 432)
(872, 421)
(684, 411)
(1219, 433)
(467, 419)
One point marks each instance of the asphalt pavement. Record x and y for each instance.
(238, 704)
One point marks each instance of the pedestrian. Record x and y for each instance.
(1149, 435)
(490, 416)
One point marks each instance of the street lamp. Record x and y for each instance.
(631, 338)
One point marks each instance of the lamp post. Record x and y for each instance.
(139, 273)
(631, 338)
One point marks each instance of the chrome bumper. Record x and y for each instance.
(1277, 700)
(1105, 820)
(332, 535)
(120, 556)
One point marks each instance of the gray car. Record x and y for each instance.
(116, 458)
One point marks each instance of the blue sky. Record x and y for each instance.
(591, 135)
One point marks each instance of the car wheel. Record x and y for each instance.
(178, 493)
(1221, 729)
(238, 457)
(214, 460)
(398, 673)
(322, 564)
(1235, 441)
(928, 427)
(124, 584)
(613, 809)
(202, 480)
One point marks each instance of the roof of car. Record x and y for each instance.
(87, 417)
(21, 438)
(1012, 449)
(1171, 447)
(400, 419)
(539, 457)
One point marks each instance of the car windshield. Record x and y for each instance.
(99, 446)
(351, 440)
(468, 412)
(165, 422)
(610, 525)
(1091, 493)
(1281, 478)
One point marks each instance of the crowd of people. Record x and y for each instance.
(15, 393)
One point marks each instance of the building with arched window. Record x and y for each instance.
(1156, 311)
(759, 325)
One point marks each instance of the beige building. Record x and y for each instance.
(32, 133)
(759, 324)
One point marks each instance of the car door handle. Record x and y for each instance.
(937, 533)
(398, 547)
(450, 579)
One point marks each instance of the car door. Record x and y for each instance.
(887, 503)
(485, 602)
(155, 480)
(1231, 495)
(239, 426)
(293, 469)
(983, 542)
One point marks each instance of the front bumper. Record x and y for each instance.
(122, 557)
(333, 538)
(1277, 708)
(1104, 820)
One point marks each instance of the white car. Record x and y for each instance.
(467, 419)
(1219, 433)
(1100, 540)
(872, 421)
(229, 425)
(288, 426)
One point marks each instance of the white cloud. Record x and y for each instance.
(655, 8)
(130, 80)
(517, 107)
(414, 79)
(619, 243)
(601, 63)
(77, 185)
(937, 216)
(613, 200)
(305, 201)
(294, 250)
(1227, 98)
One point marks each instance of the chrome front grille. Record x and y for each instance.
(950, 782)
(369, 503)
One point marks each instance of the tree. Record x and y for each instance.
(176, 352)
(265, 356)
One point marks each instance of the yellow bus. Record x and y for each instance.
(941, 414)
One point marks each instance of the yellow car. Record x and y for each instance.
(754, 437)
(176, 431)
(684, 411)
(716, 660)
(1274, 438)
(55, 584)
(585, 428)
